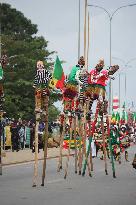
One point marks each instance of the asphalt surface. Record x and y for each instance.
(16, 185)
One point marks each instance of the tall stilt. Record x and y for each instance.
(104, 149)
(110, 145)
(45, 139)
(62, 132)
(75, 144)
(90, 137)
(36, 151)
(69, 146)
(80, 142)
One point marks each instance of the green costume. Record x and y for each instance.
(72, 75)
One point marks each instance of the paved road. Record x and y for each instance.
(16, 185)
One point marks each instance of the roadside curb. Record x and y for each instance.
(32, 160)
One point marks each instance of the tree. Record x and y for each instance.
(24, 49)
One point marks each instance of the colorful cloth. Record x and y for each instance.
(58, 76)
(99, 78)
(72, 75)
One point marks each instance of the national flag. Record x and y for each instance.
(58, 76)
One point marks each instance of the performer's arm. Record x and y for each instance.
(35, 80)
(77, 77)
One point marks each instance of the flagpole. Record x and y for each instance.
(88, 40)
(79, 32)
(85, 31)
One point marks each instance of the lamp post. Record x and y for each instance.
(126, 64)
(110, 16)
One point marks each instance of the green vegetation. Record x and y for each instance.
(23, 48)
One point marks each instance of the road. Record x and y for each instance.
(16, 185)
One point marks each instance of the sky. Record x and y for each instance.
(57, 21)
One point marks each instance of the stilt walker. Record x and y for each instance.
(41, 80)
(70, 96)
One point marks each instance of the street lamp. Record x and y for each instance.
(125, 67)
(110, 15)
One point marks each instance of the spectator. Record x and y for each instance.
(14, 136)
(22, 136)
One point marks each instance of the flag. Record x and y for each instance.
(134, 116)
(124, 105)
(58, 76)
(117, 117)
(124, 117)
(113, 118)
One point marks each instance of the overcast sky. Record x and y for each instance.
(57, 21)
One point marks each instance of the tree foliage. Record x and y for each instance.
(23, 48)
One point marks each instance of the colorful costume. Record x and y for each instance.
(97, 81)
(41, 80)
(71, 86)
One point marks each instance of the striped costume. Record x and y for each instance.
(41, 81)
(42, 78)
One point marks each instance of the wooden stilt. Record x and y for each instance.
(110, 145)
(104, 149)
(80, 132)
(89, 146)
(86, 152)
(91, 160)
(36, 151)
(68, 155)
(62, 133)
(90, 136)
(45, 139)
(75, 144)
